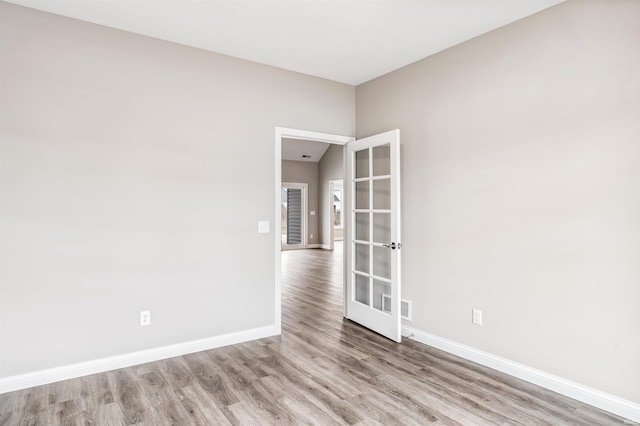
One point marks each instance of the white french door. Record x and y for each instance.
(372, 243)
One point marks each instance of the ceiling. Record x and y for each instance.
(294, 149)
(349, 41)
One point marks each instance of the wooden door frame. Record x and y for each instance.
(280, 133)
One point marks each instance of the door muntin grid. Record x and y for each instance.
(371, 216)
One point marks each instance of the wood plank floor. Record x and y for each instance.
(322, 370)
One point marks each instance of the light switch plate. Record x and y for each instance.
(476, 316)
(145, 317)
(312, 213)
(263, 227)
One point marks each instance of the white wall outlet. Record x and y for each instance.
(476, 316)
(312, 213)
(263, 227)
(145, 317)
(311, 236)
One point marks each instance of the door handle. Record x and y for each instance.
(392, 246)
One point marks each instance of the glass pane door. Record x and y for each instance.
(293, 215)
(373, 289)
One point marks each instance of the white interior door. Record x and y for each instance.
(372, 184)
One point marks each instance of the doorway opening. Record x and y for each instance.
(319, 214)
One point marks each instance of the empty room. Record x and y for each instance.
(463, 249)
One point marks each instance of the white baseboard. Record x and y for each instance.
(313, 246)
(42, 377)
(594, 397)
(325, 246)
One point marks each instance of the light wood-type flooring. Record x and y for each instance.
(322, 370)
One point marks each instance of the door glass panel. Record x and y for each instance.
(362, 258)
(382, 262)
(294, 216)
(382, 194)
(362, 163)
(362, 289)
(381, 160)
(382, 228)
(337, 206)
(362, 195)
(362, 226)
(382, 296)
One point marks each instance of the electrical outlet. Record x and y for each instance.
(145, 317)
(476, 316)
(311, 236)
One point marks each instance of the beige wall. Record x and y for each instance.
(305, 172)
(521, 196)
(134, 172)
(120, 190)
(330, 167)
